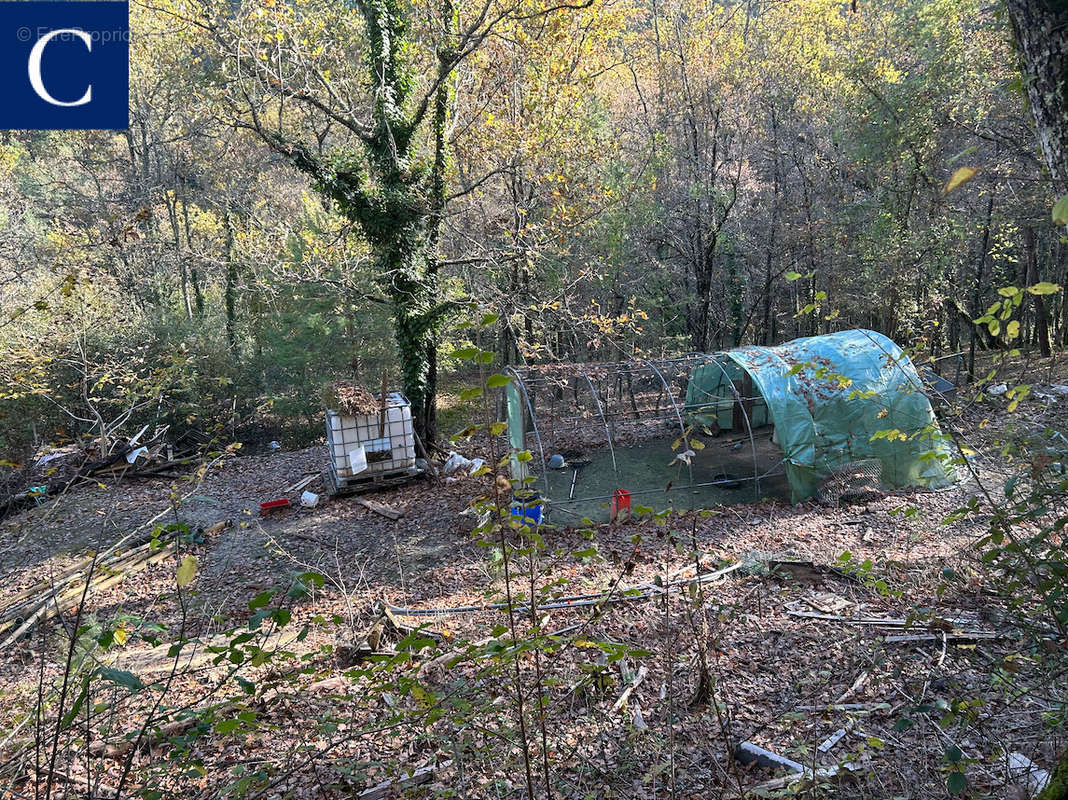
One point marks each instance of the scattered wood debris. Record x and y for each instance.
(608, 597)
(394, 787)
(822, 652)
(53, 596)
(855, 687)
(850, 707)
(882, 622)
(749, 753)
(102, 749)
(828, 744)
(365, 645)
(827, 603)
(125, 462)
(403, 629)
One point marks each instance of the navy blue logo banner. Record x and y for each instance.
(64, 65)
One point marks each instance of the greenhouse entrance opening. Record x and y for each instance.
(709, 430)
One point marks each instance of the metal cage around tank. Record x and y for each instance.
(370, 450)
(713, 429)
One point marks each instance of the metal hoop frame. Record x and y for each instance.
(650, 368)
(678, 414)
(745, 414)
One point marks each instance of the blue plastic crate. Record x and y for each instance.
(529, 512)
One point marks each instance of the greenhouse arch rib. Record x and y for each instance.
(600, 410)
(745, 414)
(678, 414)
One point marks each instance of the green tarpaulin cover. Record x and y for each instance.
(834, 400)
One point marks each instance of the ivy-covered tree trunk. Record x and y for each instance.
(394, 197)
(1040, 28)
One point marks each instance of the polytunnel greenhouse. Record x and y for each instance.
(730, 427)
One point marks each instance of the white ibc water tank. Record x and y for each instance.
(381, 442)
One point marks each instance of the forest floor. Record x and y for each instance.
(787, 667)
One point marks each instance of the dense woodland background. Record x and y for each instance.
(612, 178)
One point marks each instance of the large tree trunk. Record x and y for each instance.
(1040, 28)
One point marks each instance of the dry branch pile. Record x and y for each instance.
(349, 398)
(59, 471)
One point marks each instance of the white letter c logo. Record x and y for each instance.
(35, 67)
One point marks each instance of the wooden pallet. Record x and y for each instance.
(340, 486)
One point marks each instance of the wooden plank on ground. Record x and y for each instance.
(380, 508)
(307, 479)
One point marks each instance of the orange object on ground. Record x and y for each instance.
(620, 502)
